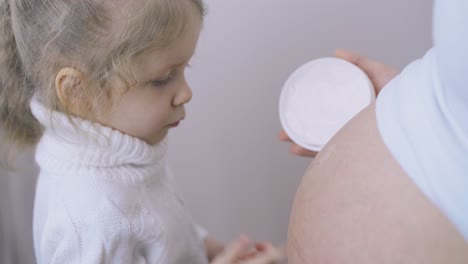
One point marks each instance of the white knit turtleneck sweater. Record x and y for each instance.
(106, 197)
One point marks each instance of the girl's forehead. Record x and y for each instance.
(132, 6)
(179, 52)
(123, 11)
(126, 6)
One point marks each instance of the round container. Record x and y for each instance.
(320, 97)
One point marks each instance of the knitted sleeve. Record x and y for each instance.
(91, 242)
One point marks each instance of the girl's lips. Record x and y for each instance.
(176, 124)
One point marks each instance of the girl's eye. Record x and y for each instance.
(162, 82)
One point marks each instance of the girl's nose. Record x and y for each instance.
(183, 96)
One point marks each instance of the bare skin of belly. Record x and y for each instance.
(356, 205)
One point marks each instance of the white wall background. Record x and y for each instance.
(236, 176)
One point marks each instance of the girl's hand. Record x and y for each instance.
(240, 252)
(213, 248)
(379, 73)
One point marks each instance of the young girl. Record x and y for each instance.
(97, 84)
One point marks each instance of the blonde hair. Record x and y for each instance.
(38, 38)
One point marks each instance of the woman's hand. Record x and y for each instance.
(240, 252)
(380, 74)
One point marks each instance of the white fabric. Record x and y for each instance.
(105, 197)
(423, 115)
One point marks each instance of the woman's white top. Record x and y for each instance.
(422, 115)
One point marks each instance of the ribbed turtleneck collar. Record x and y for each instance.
(71, 143)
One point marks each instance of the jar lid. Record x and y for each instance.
(320, 97)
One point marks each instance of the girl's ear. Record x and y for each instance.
(67, 83)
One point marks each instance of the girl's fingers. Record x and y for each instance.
(268, 255)
(233, 251)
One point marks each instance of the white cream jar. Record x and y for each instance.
(320, 97)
